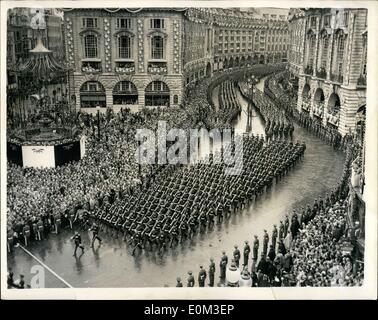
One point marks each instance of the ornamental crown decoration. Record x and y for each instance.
(38, 22)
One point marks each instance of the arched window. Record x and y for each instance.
(92, 94)
(124, 47)
(90, 46)
(338, 58)
(157, 94)
(340, 54)
(324, 50)
(125, 92)
(157, 47)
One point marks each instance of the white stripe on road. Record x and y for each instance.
(48, 268)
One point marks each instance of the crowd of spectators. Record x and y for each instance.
(43, 200)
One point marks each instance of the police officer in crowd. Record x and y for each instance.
(236, 255)
(191, 280)
(77, 240)
(246, 251)
(202, 277)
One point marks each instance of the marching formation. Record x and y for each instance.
(228, 102)
(304, 250)
(175, 206)
(158, 207)
(277, 124)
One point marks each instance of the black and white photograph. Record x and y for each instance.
(189, 148)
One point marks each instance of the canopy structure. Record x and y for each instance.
(41, 63)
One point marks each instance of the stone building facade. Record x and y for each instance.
(242, 38)
(150, 56)
(124, 57)
(330, 62)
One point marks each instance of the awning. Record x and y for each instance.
(92, 98)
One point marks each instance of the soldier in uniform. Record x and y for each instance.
(202, 277)
(40, 229)
(77, 239)
(274, 236)
(281, 231)
(211, 272)
(223, 265)
(256, 244)
(26, 233)
(265, 242)
(247, 250)
(57, 222)
(236, 255)
(286, 225)
(191, 281)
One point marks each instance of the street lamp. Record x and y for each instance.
(98, 108)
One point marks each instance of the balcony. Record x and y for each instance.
(91, 67)
(361, 81)
(125, 68)
(321, 73)
(308, 70)
(157, 68)
(336, 77)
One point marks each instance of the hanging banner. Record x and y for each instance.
(14, 153)
(38, 156)
(67, 152)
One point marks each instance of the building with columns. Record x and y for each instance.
(329, 59)
(149, 56)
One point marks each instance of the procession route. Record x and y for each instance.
(46, 266)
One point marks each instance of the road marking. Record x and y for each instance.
(47, 267)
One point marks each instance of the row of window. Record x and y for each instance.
(326, 20)
(124, 87)
(157, 93)
(123, 23)
(124, 47)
